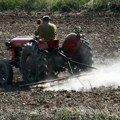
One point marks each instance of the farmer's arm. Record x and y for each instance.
(37, 31)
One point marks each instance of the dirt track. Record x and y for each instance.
(103, 31)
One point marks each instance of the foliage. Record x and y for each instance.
(69, 5)
(59, 5)
(67, 115)
(70, 115)
(103, 5)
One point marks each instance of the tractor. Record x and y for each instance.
(39, 60)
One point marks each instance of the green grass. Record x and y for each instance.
(59, 5)
(68, 115)
(62, 115)
(103, 5)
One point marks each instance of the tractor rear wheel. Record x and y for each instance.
(33, 63)
(6, 72)
(84, 56)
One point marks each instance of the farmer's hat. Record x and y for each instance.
(46, 18)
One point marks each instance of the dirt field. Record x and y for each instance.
(103, 32)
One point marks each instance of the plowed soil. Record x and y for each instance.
(102, 30)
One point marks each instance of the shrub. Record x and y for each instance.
(60, 5)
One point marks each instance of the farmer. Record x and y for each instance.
(46, 29)
(39, 21)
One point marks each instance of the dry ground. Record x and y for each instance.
(103, 31)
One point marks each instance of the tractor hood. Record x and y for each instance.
(20, 41)
(24, 38)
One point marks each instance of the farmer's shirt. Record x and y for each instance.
(47, 31)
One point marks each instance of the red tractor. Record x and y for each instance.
(40, 59)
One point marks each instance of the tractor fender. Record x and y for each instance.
(42, 44)
(71, 44)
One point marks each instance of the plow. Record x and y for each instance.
(41, 61)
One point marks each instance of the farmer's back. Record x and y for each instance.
(46, 30)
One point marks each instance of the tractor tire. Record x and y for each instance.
(6, 72)
(84, 57)
(33, 64)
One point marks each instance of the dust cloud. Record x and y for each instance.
(106, 75)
